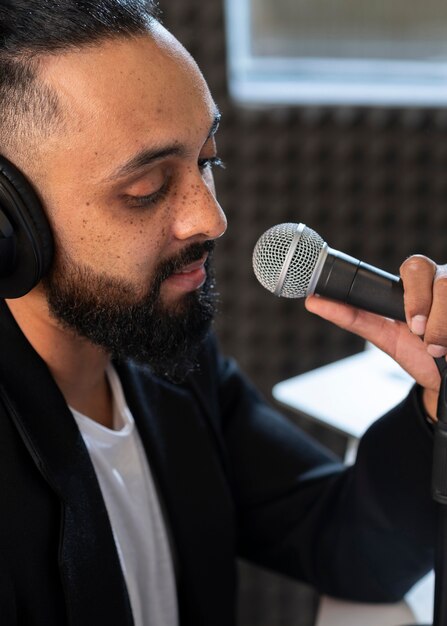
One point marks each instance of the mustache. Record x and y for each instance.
(188, 255)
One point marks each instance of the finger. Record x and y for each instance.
(417, 274)
(436, 331)
(392, 337)
(340, 314)
(367, 325)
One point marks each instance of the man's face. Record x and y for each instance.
(129, 192)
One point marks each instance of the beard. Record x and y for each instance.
(107, 312)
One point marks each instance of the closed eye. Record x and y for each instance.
(151, 199)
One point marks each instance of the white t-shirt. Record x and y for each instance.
(134, 510)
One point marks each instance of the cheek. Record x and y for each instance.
(134, 250)
(128, 249)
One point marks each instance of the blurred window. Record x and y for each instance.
(384, 52)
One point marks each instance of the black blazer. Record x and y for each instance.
(235, 478)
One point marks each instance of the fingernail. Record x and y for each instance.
(418, 324)
(436, 351)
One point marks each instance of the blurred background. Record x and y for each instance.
(333, 115)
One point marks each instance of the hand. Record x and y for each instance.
(414, 344)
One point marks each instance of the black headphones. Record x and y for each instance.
(26, 242)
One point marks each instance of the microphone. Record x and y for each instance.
(293, 261)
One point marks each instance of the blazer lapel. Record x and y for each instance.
(196, 496)
(95, 591)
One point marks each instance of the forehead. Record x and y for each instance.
(124, 93)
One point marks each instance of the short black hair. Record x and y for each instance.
(30, 29)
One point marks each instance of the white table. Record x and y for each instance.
(357, 390)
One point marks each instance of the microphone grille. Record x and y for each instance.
(271, 253)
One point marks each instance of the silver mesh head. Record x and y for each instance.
(271, 262)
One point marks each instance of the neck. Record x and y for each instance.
(77, 366)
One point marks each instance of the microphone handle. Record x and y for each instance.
(351, 281)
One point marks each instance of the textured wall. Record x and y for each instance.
(371, 182)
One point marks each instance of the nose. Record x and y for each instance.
(199, 214)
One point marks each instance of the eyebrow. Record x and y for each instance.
(148, 156)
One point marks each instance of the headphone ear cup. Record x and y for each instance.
(33, 238)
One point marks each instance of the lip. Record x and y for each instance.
(192, 267)
(190, 277)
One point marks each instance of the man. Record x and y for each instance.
(109, 521)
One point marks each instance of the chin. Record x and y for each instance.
(174, 302)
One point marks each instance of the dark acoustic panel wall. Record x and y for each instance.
(372, 182)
